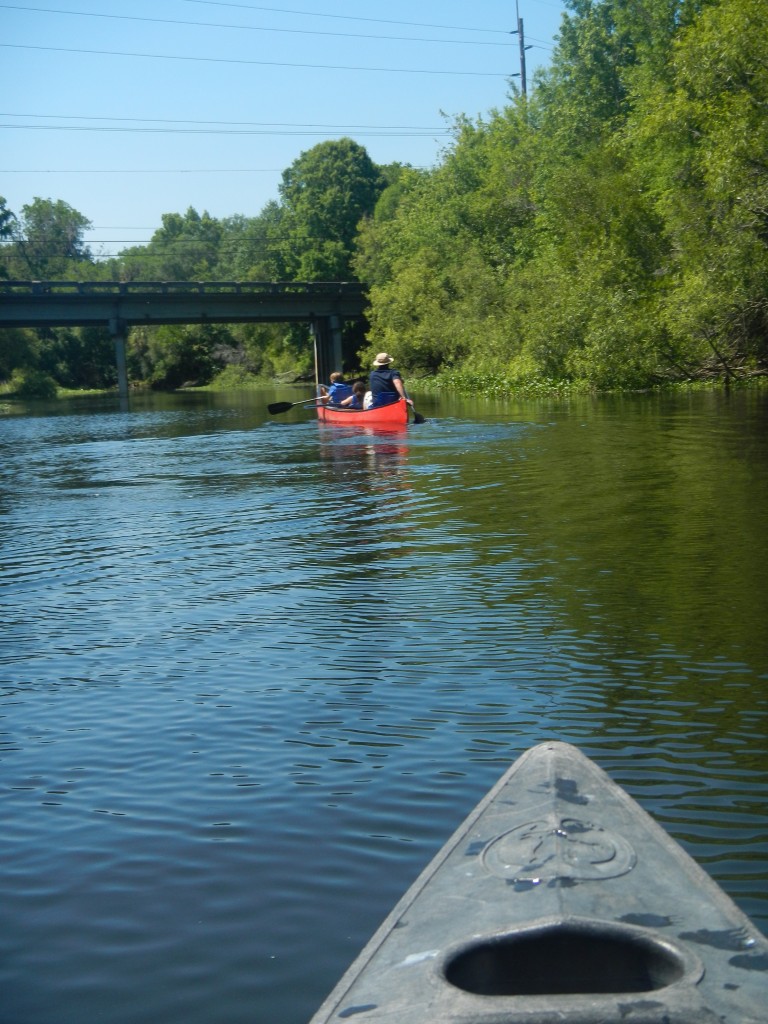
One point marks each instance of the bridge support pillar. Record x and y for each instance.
(334, 324)
(118, 331)
(326, 333)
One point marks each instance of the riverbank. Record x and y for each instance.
(481, 385)
(490, 385)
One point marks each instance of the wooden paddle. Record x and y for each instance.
(277, 407)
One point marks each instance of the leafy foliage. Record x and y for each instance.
(325, 193)
(32, 384)
(171, 357)
(610, 230)
(47, 240)
(7, 220)
(185, 248)
(19, 350)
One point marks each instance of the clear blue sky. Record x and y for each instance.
(129, 109)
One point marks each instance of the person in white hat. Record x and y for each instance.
(386, 384)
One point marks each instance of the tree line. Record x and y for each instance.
(609, 230)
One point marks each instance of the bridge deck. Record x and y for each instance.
(107, 303)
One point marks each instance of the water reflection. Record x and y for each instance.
(370, 491)
(252, 670)
(381, 454)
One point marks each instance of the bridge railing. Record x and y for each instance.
(171, 287)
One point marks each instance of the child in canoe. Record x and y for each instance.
(337, 392)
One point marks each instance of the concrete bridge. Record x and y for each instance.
(324, 305)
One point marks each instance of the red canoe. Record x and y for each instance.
(393, 415)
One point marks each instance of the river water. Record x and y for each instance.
(255, 671)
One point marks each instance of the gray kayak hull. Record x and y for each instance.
(558, 900)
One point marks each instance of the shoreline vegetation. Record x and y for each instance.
(607, 232)
(457, 383)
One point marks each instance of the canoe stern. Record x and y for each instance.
(394, 415)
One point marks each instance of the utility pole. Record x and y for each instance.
(521, 39)
(521, 36)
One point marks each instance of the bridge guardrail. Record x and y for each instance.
(169, 287)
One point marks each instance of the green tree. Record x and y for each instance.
(185, 248)
(699, 140)
(583, 95)
(78, 357)
(7, 218)
(49, 240)
(438, 259)
(611, 228)
(249, 247)
(325, 193)
(169, 357)
(7, 222)
(47, 243)
(19, 349)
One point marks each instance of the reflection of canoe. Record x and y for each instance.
(393, 415)
(559, 899)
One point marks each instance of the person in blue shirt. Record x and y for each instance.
(386, 384)
(338, 391)
(355, 400)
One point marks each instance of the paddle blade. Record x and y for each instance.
(418, 418)
(277, 407)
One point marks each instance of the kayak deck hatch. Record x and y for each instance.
(558, 901)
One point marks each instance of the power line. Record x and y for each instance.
(168, 247)
(345, 17)
(178, 249)
(157, 170)
(262, 63)
(383, 133)
(149, 170)
(250, 28)
(539, 44)
(227, 242)
(247, 124)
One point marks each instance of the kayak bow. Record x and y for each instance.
(559, 899)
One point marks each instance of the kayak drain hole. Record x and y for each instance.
(565, 959)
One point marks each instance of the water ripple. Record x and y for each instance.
(254, 674)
